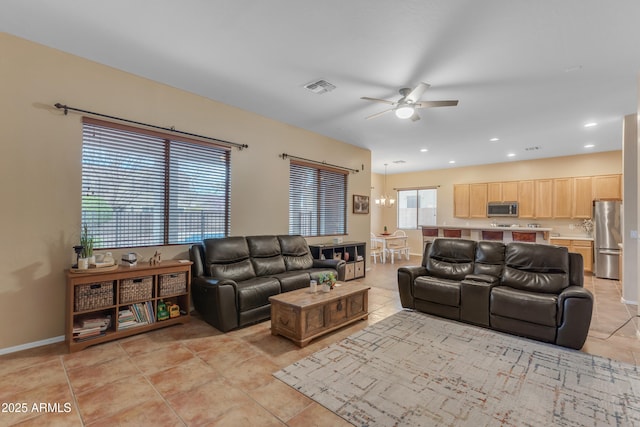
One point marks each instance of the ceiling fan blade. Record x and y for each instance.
(431, 104)
(415, 95)
(373, 116)
(366, 98)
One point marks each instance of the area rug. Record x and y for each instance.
(413, 369)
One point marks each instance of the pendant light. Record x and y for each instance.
(385, 201)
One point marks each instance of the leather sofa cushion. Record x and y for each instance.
(451, 258)
(536, 267)
(238, 271)
(263, 246)
(489, 258)
(539, 308)
(292, 280)
(295, 252)
(255, 292)
(226, 250)
(441, 291)
(268, 266)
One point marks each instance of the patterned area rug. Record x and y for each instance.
(413, 369)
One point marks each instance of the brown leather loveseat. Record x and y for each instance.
(526, 289)
(233, 277)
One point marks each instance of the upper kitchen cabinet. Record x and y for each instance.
(461, 200)
(502, 191)
(562, 197)
(526, 199)
(544, 198)
(582, 197)
(477, 200)
(607, 187)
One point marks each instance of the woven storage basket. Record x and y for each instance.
(93, 295)
(172, 284)
(137, 289)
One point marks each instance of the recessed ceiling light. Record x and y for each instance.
(494, 139)
(590, 125)
(423, 150)
(511, 155)
(589, 145)
(451, 162)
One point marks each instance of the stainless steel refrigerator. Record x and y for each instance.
(607, 235)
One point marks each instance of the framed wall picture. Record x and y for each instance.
(360, 204)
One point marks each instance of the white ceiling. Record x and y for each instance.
(529, 72)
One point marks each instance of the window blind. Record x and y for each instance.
(144, 188)
(317, 200)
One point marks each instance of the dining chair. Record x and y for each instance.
(375, 249)
(399, 246)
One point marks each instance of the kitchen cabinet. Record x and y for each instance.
(607, 187)
(580, 246)
(502, 191)
(526, 199)
(562, 197)
(461, 200)
(543, 198)
(477, 200)
(582, 197)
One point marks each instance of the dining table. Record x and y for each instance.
(387, 238)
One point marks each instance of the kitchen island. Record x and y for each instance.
(503, 232)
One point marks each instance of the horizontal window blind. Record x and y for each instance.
(142, 188)
(317, 200)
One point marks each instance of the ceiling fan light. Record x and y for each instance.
(404, 112)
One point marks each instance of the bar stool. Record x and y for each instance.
(428, 234)
(451, 232)
(523, 236)
(492, 235)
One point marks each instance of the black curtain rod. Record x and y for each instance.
(66, 109)
(284, 156)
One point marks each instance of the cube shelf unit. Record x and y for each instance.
(354, 253)
(95, 294)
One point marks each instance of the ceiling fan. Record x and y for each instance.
(405, 107)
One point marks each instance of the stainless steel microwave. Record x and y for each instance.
(502, 209)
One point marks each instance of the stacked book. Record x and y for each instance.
(136, 315)
(90, 328)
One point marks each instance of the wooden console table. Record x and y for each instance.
(94, 295)
(302, 316)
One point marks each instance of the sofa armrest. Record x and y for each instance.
(216, 302)
(406, 277)
(339, 265)
(484, 278)
(575, 307)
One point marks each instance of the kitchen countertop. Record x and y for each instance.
(571, 238)
(493, 227)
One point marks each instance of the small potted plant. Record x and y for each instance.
(87, 246)
(328, 281)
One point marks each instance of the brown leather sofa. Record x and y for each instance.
(526, 289)
(233, 277)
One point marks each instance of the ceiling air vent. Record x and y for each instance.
(319, 87)
(533, 148)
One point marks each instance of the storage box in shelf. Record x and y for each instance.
(172, 284)
(136, 289)
(93, 296)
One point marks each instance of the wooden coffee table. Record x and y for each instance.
(301, 315)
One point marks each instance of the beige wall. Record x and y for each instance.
(583, 165)
(40, 160)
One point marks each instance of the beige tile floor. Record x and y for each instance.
(194, 375)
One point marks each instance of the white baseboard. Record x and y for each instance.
(624, 301)
(29, 345)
